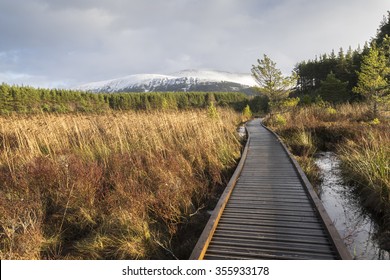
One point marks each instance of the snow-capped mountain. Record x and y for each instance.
(186, 80)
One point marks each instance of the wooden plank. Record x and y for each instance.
(272, 217)
(284, 213)
(302, 236)
(258, 253)
(272, 229)
(267, 194)
(274, 223)
(298, 239)
(262, 199)
(273, 245)
(223, 256)
(270, 207)
(264, 189)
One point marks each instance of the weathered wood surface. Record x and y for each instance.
(269, 210)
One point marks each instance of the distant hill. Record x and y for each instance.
(186, 80)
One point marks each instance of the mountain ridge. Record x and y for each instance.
(185, 80)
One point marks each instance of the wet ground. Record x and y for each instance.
(358, 229)
(241, 131)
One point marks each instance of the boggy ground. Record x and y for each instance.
(120, 185)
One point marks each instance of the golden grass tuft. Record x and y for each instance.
(367, 162)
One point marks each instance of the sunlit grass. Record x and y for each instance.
(367, 162)
(112, 186)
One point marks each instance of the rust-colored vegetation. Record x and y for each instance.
(122, 185)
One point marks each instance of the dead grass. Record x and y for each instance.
(112, 186)
(367, 163)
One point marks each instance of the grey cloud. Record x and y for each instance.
(81, 41)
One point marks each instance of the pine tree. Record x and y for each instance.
(349, 54)
(383, 30)
(212, 111)
(372, 81)
(341, 56)
(332, 55)
(164, 104)
(333, 90)
(271, 81)
(247, 113)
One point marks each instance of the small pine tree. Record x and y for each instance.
(271, 81)
(333, 90)
(247, 113)
(164, 104)
(213, 113)
(372, 78)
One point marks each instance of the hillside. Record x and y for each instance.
(186, 80)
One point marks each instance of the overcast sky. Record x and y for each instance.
(59, 43)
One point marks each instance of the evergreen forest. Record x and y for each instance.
(334, 77)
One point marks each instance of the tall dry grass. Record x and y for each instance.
(112, 186)
(367, 162)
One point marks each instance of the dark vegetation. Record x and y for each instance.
(319, 78)
(31, 100)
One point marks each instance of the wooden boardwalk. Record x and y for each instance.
(269, 210)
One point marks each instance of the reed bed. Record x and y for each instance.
(367, 162)
(122, 185)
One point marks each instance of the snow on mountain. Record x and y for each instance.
(218, 76)
(116, 85)
(186, 80)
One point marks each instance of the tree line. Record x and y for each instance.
(320, 76)
(24, 99)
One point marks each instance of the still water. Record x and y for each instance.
(241, 131)
(359, 231)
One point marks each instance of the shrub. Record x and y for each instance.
(212, 110)
(280, 120)
(330, 110)
(375, 121)
(247, 113)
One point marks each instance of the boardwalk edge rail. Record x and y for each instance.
(208, 232)
(329, 225)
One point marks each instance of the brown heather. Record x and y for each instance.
(112, 186)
